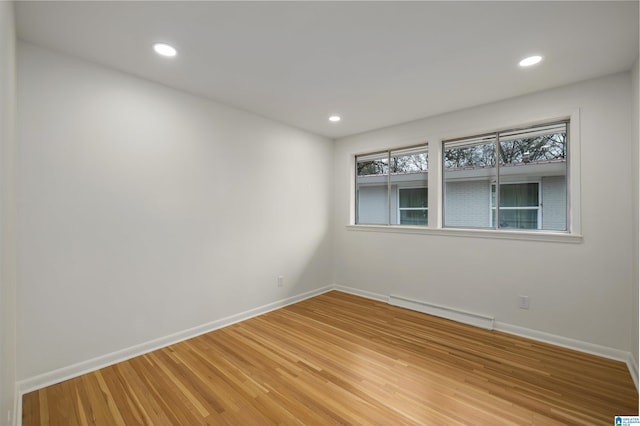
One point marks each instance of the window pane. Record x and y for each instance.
(537, 153)
(408, 168)
(414, 160)
(518, 218)
(413, 197)
(469, 167)
(377, 164)
(516, 195)
(536, 149)
(548, 142)
(372, 197)
(414, 217)
(470, 154)
(380, 179)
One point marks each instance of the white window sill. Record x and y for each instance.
(547, 236)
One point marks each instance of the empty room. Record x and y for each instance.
(365, 213)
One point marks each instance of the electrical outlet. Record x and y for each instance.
(280, 281)
(523, 302)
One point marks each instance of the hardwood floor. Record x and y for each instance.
(342, 359)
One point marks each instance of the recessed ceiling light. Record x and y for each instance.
(531, 60)
(165, 50)
(334, 118)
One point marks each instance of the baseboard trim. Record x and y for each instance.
(65, 373)
(577, 345)
(540, 336)
(363, 293)
(465, 317)
(565, 342)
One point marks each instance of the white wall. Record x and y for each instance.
(8, 396)
(144, 211)
(577, 291)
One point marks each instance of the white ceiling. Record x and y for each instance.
(374, 63)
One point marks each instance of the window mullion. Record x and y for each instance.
(356, 192)
(389, 187)
(497, 142)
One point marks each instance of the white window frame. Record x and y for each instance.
(410, 208)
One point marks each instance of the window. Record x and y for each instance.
(528, 165)
(391, 187)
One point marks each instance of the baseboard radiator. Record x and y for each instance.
(458, 315)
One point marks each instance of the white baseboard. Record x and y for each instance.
(56, 376)
(565, 342)
(578, 345)
(458, 315)
(363, 293)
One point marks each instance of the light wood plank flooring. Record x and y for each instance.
(342, 359)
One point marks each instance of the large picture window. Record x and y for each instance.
(391, 187)
(528, 165)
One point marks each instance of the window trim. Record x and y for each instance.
(504, 234)
(573, 234)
